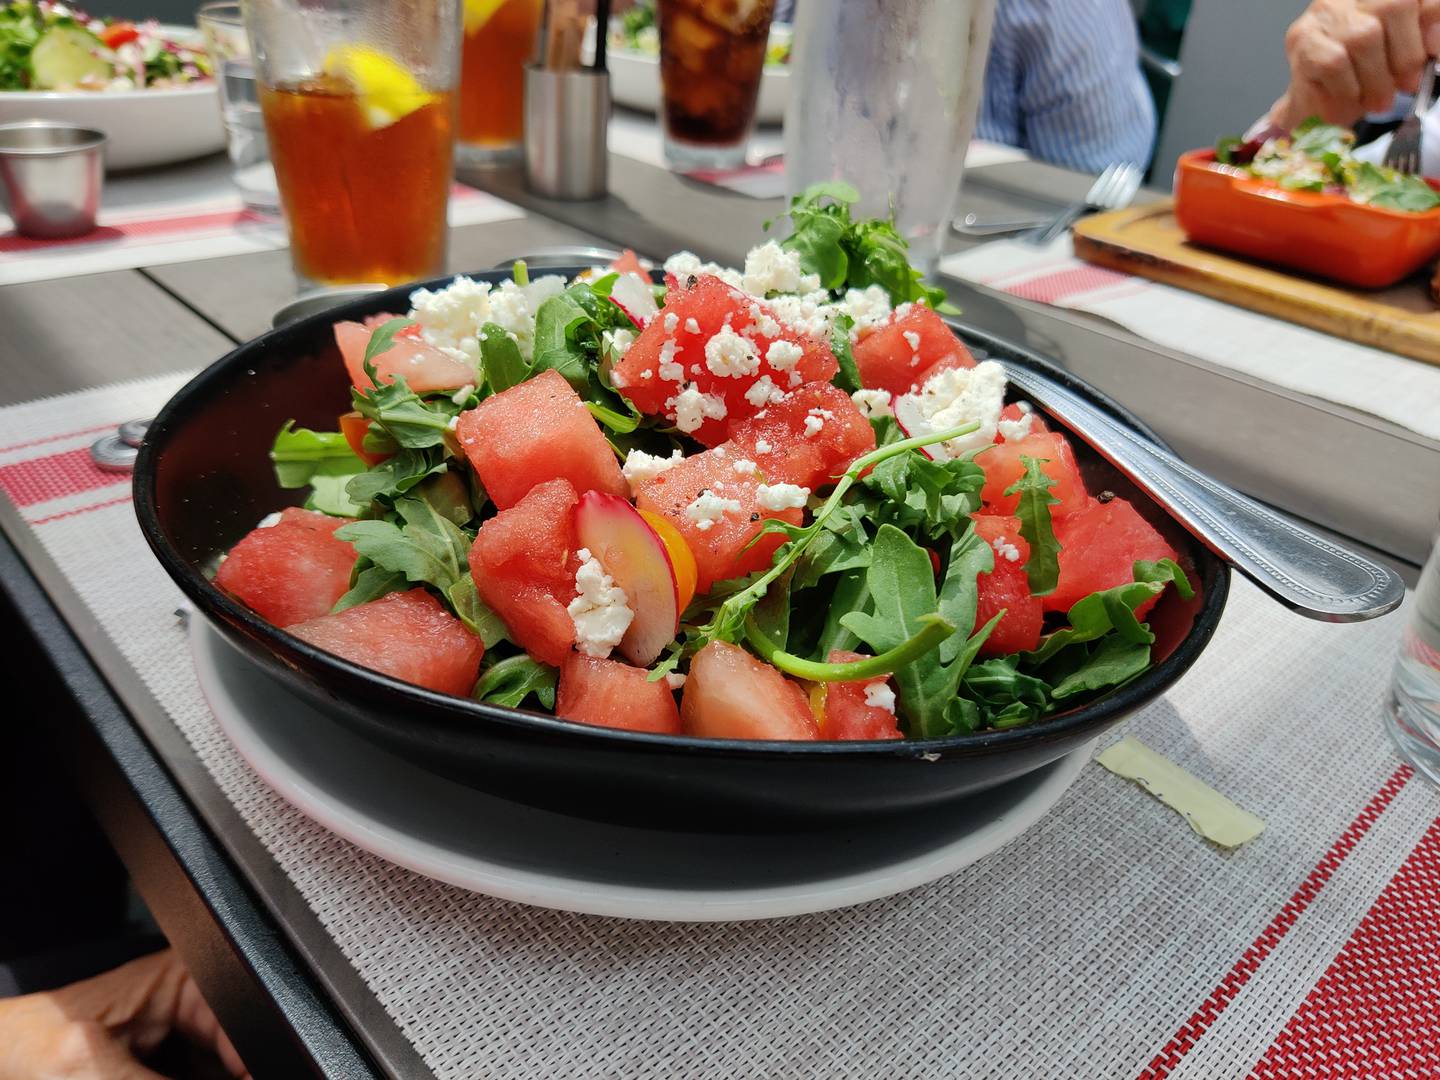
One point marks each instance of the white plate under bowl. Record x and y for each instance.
(635, 82)
(146, 128)
(450, 832)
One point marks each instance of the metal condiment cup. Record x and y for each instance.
(51, 175)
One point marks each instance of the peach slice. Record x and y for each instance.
(639, 562)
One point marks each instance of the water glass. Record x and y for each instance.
(711, 59)
(1413, 715)
(358, 98)
(224, 31)
(885, 94)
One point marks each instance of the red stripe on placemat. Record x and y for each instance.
(55, 438)
(55, 475)
(1375, 1013)
(81, 510)
(1190, 1031)
(218, 220)
(1052, 288)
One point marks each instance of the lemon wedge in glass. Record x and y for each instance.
(478, 12)
(387, 91)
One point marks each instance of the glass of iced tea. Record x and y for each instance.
(498, 42)
(359, 103)
(712, 53)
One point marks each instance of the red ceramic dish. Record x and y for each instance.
(1322, 234)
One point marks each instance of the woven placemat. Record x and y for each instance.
(1108, 941)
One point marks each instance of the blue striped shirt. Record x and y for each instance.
(1064, 83)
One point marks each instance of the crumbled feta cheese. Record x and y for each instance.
(601, 611)
(954, 397)
(783, 355)
(1006, 550)
(763, 391)
(719, 451)
(513, 308)
(647, 374)
(269, 521)
(811, 316)
(453, 423)
(903, 310)
(912, 339)
(674, 680)
(692, 326)
(878, 695)
(761, 323)
(693, 408)
(762, 446)
(671, 322)
(731, 356)
(684, 263)
(709, 508)
(450, 318)
(815, 421)
(1015, 430)
(872, 403)
(670, 369)
(781, 496)
(617, 342)
(640, 466)
(868, 307)
(770, 268)
(464, 392)
(745, 467)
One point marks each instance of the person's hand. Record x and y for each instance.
(93, 1030)
(1349, 57)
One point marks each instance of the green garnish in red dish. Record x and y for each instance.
(782, 502)
(1318, 157)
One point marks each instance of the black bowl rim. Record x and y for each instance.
(219, 607)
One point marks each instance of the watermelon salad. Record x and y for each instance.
(781, 502)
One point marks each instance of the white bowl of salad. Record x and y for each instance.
(147, 86)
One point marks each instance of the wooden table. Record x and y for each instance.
(278, 983)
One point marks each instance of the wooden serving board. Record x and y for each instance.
(1148, 241)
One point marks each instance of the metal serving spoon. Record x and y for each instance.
(1302, 570)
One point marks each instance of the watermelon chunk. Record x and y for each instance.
(706, 350)
(292, 571)
(1100, 544)
(1007, 588)
(1003, 467)
(534, 432)
(776, 438)
(523, 562)
(850, 714)
(731, 695)
(407, 635)
(424, 367)
(607, 693)
(907, 351)
(719, 548)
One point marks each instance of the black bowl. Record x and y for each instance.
(204, 478)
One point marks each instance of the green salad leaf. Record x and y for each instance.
(426, 545)
(511, 680)
(301, 454)
(475, 613)
(1043, 567)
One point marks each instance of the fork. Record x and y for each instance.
(1114, 189)
(1403, 153)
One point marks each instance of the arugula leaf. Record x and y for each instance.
(370, 584)
(1043, 567)
(328, 495)
(301, 454)
(428, 547)
(500, 359)
(922, 495)
(412, 422)
(1005, 696)
(381, 338)
(852, 593)
(475, 613)
(1113, 661)
(1113, 611)
(556, 346)
(970, 556)
(510, 681)
(448, 495)
(394, 476)
(848, 377)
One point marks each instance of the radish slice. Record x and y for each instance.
(633, 296)
(637, 561)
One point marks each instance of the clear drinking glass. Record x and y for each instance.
(712, 54)
(1413, 715)
(359, 103)
(884, 94)
(224, 30)
(499, 41)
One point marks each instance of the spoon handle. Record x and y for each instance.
(1301, 569)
